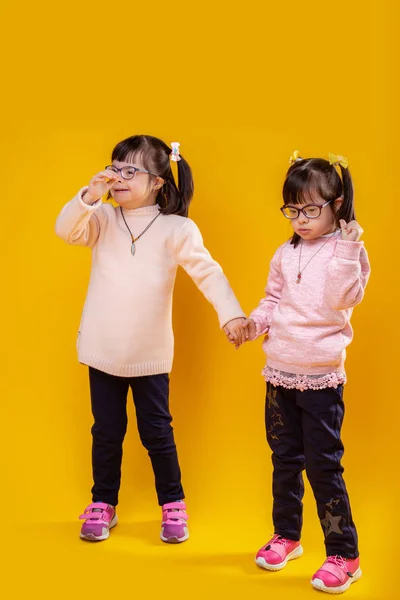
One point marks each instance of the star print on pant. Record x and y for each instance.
(274, 418)
(331, 523)
(332, 504)
(276, 421)
(272, 399)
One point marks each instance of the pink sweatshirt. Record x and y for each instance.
(126, 326)
(308, 323)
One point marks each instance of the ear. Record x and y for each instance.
(159, 182)
(337, 204)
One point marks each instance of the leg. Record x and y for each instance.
(151, 397)
(284, 435)
(323, 412)
(108, 394)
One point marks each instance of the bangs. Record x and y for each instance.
(133, 149)
(134, 158)
(150, 152)
(301, 195)
(305, 184)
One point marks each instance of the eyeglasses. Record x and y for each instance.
(128, 172)
(311, 211)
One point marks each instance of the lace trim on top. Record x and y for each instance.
(292, 381)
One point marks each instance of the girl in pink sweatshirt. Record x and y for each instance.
(315, 280)
(125, 336)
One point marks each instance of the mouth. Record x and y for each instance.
(120, 190)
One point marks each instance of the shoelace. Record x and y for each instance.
(339, 561)
(277, 540)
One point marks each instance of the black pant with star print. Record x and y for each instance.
(303, 431)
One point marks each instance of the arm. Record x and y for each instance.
(263, 313)
(348, 274)
(206, 273)
(77, 223)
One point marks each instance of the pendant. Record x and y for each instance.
(133, 248)
(298, 278)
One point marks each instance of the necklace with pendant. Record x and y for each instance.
(133, 238)
(299, 270)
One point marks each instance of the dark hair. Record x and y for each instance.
(310, 176)
(154, 154)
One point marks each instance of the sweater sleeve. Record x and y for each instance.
(206, 273)
(263, 313)
(79, 223)
(348, 274)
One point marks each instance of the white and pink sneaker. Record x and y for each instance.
(337, 574)
(174, 529)
(99, 519)
(275, 555)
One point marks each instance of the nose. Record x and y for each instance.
(302, 219)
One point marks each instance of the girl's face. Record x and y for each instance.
(312, 228)
(139, 191)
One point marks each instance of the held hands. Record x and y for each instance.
(351, 232)
(240, 330)
(99, 185)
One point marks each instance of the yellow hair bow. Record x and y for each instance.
(338, 159)
(294, 158)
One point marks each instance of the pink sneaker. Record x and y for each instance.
(174, 527)
(99, 519)
(275, 555)
(337, 574)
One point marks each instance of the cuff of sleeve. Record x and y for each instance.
(225, 321)
(259, 329)
(88, 207)
(348, 250)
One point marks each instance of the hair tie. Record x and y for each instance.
(175, 156)
(294, 158)
(338, 159)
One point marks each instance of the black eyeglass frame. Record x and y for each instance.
(302, 210)
(135, 169)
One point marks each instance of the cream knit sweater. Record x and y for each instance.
(126, 325)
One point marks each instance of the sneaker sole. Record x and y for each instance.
(296, 553)
(318, 584)
(90, 537)
(174, 539)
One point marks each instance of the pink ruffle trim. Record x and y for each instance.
(292, 381)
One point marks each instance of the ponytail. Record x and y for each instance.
(346, 210)
(175, 199)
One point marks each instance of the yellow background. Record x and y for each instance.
(240, 85)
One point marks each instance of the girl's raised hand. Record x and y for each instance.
(351, 232)
(99, 185)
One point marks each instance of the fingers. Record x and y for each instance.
(239, 331)
(245, 328)
(249, 328)
(351, 231)
(233, 335)
(242, 331)
(105, 176)
(354, 226)
(236, 336)
(101, 183)
(229, 335)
